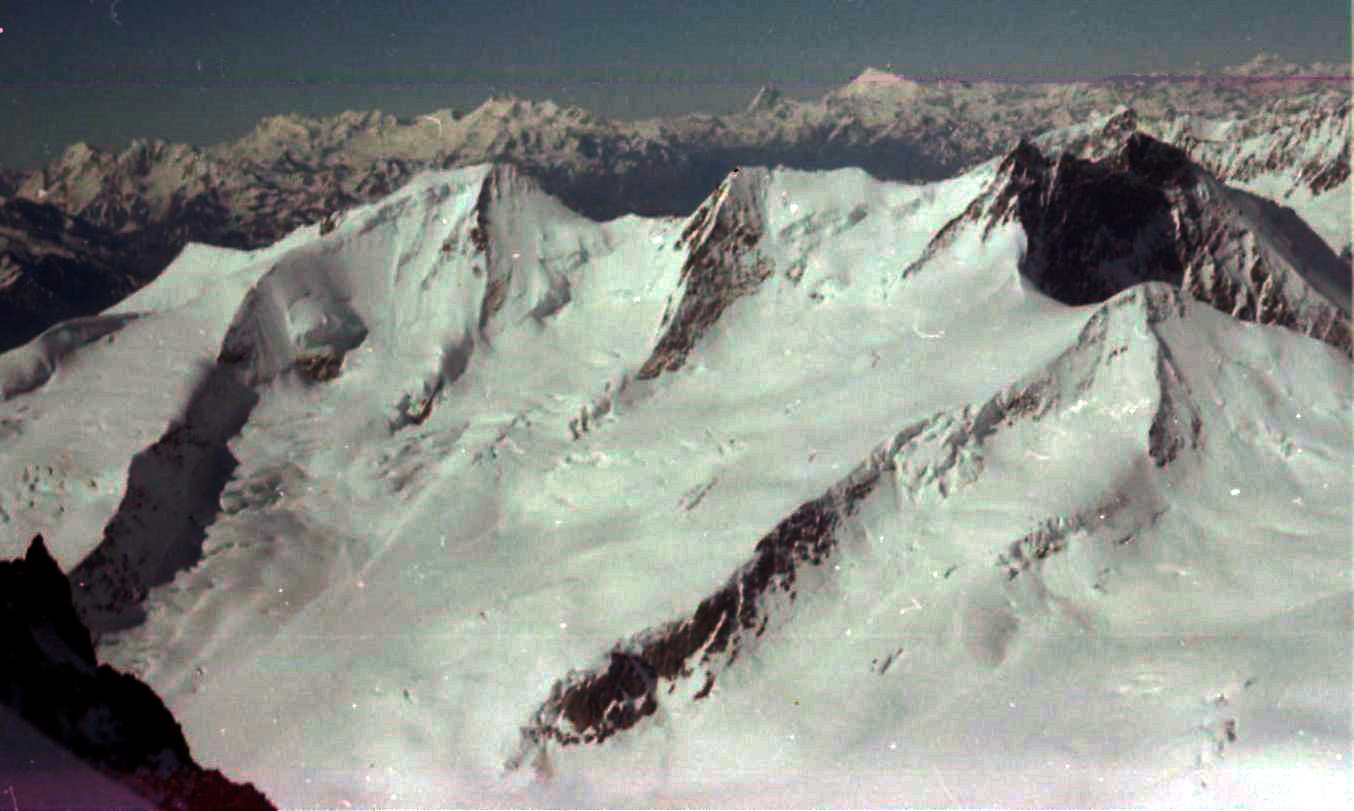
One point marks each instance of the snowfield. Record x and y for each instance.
(1076, 556)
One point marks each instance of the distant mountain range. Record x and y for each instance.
(122, 215)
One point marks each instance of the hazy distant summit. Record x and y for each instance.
(1273, 65)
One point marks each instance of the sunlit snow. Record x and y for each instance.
(386, 599)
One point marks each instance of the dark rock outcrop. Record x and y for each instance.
(1145, 211)
(721, 267)
(590, 706)
(1098, 227)
(109, 719)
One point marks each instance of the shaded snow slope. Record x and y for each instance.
(813, 489)
(40, 773)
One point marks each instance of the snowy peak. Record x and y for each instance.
(872, 92)
(722, 265)
(481, 248)
(1144, 211)
(509, 206)
(1120, 358)
(872, 78)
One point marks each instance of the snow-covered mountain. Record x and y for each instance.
(897, 128)
(1286, 130)
(1025, 487)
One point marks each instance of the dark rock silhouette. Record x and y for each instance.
(1141, 210)
(109, 719)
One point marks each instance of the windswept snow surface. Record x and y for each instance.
(1105, 562)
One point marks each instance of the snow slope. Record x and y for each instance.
(788, 503)
(41, 774)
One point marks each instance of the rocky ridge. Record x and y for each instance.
(932, 458)
(1117, 208)
(109, 719)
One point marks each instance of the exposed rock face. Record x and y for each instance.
(591, 706)
(318, 367)
(55, 267)
(499, 273)
(51, 678)
(1097, 227)
(1144, 211)
(721, 267)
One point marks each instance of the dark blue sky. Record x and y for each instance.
(106, 71)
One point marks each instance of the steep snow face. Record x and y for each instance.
(813, 489)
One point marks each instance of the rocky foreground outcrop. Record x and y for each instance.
(50, 677)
